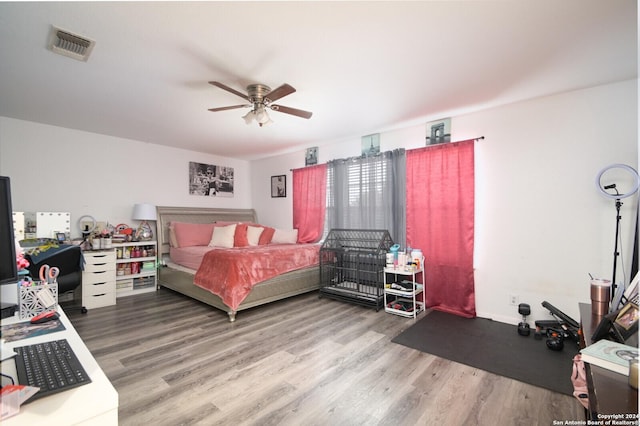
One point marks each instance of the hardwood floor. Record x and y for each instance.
(302, 361)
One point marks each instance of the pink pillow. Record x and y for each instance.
(266, 236)
(240, 238)
(192, 234)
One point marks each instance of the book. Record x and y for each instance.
(613, 356)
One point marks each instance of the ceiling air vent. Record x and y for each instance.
(69, 44)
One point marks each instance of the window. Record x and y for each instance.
(367, 193)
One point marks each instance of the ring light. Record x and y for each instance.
(629, 169)
(87, 218)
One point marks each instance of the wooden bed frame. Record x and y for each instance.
(286, 285)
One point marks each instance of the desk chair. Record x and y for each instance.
(66, 257)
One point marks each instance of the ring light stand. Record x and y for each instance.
(617, 196)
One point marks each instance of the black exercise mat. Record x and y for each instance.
(493, 346)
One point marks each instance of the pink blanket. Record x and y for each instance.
(232, 273)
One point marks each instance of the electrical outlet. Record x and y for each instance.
(513, 300)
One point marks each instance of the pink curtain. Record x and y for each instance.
(309, 202)
(440, 221)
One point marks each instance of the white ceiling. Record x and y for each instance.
(360, 67)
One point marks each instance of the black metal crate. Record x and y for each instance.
(352, 265)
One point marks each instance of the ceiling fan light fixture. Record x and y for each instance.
(265, 122)
(262, 117)
(261, 98)
(249, 117)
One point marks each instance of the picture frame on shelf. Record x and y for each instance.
(626, 322)
(618, 325)
(278, 186)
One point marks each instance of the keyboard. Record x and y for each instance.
(51, 366)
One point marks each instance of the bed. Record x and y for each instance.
(181, 279)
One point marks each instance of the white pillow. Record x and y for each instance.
(223, 236)
(253, 234)
(285, 236)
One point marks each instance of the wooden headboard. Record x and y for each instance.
(166, 215)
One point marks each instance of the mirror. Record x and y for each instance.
(31, 225)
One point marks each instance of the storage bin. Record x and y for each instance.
(143, 282)
(32, 300)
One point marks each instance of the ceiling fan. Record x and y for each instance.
(261, 97)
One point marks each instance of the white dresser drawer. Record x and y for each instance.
(98, 288)
(99, 261)
(99, 267)
(98, 277)
(99, 300)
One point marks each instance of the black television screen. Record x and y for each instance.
(8, 266)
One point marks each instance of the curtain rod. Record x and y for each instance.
(479, 138)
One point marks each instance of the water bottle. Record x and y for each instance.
(394, 249)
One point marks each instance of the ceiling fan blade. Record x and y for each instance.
(229, 107)
(229, 89)
(280, 92)
(292, 111)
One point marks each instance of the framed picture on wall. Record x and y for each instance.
(210, 180)
(439, 132)
(370, 145)
(311, 156)
(278, 186)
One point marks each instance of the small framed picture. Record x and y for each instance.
(622, 324)
(278, 186)
(61, 237)
(370, 145)
(628, 317)
(311, 156)
(439, 132)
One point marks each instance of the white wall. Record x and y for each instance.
(59, 169)
(275, 212)
(541, 225)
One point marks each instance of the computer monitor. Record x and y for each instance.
(8, 266)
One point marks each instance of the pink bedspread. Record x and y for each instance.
(232, 273)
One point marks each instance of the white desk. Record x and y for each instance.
(95, 403)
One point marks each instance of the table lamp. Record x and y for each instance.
(144, 212)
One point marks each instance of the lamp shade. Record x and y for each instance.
(144, 212)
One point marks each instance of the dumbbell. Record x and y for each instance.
(555, 340)
(523, 328)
